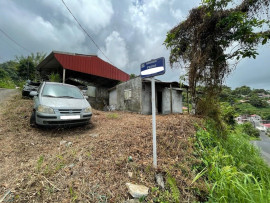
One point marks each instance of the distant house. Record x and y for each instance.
(243, 101)
(267, 126)
(96, 75)
(135, 96)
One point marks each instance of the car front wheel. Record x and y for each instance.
(33, 119)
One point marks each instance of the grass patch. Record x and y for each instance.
(113, 116)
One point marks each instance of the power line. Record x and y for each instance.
(14, 40)
(85, 31)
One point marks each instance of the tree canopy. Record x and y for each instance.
(215, 33)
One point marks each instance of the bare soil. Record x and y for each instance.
(90, 163)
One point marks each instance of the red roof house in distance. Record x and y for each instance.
(96, 75)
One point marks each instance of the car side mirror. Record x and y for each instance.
(86, 97)
(33, 93)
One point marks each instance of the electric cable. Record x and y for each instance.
(14, 40)
(86, 32)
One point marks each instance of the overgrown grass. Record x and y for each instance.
(7, 83)
(232, 167)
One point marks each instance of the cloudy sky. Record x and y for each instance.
(128, 32)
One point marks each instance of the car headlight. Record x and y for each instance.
(88, 110)
(45, 109)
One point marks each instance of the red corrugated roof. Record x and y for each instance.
(267, 125)
(90, 65)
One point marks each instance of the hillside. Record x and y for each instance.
(90, 163)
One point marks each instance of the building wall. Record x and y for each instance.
(135, 96)
(166, 104)
(177, 101)
(113, 98)
(101, 98)
(134, 102)
(146, 99)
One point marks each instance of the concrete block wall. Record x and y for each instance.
(134, 103)
(177, 101)
(166, 101)
(146, 99)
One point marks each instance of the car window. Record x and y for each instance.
(61, 91)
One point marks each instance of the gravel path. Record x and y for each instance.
(7, 93)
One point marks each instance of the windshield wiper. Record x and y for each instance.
(48, 96)
(67, 97)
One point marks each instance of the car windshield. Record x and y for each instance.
(61, 91)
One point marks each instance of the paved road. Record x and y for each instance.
(264, 146)
(6, 94)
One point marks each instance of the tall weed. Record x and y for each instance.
(232, 167)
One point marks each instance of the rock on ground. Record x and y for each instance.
(137, 191)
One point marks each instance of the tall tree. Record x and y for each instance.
(214, 33)
(27, 65)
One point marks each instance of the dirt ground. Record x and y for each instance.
(90, 163)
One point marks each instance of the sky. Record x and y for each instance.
(128, 32)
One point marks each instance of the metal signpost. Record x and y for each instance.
(151, 69)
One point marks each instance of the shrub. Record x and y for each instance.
(250, 130)
(54, 77)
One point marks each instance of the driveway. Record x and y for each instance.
(264, 146)
(6, 94)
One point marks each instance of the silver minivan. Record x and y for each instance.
(59, 104)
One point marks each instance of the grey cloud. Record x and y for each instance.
(46, 25)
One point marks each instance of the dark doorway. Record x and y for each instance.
(159, 102)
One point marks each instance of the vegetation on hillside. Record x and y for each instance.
(15, 72)
(231, 167)
(202, 44)
(247, 101)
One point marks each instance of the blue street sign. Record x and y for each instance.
(153, 68)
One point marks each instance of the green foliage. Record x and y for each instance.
(246, 108)
(257, 101)
(226, 95)
(73, 194)
(7, 83)
(250, 130)
(40, 162)
(3, 73)
(54, 77)
(113, 116)
(27, 65)
(243, 90)
(170, 194)
(10, 69)
(132, 75)
(26, 69)
(200, 42)
(175, 193)
(232, 167)
(228, 113)
(8, 75)
(14, 73)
